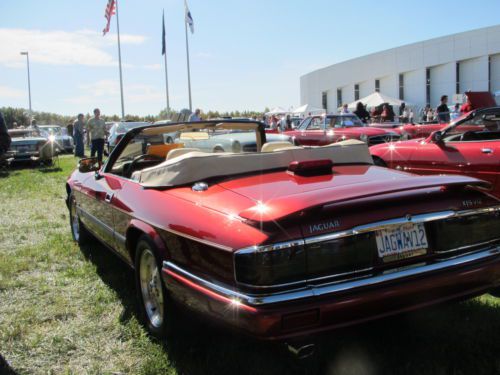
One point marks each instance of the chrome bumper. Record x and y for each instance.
(320, 290)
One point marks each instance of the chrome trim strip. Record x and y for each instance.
(380, 225)
(466, 247)
(267, 248)
(332, 288)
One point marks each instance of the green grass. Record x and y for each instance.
(66, 310)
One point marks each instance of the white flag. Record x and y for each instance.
(189, 18)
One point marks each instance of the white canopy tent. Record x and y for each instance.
(306, 109)
(277, 111)
(376, 99)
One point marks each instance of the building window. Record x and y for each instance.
(356, 91)
(457, 78)
(339, 98)
(377, 85)
(401, 86)
(324, 100)
(489, 74)
(428, 86)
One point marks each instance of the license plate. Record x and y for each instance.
(401, 242)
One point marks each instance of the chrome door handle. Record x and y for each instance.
(108, 197)
(487, 151)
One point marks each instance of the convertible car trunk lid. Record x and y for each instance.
(275, 196)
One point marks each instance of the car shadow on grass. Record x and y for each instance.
(5, 368)
(457, 338)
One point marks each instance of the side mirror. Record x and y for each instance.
(88, 165)
(437, 137)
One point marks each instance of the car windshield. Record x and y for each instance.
(155, 144)
(47, 130)
(344, 122)
(484, 126)
(23, 133)
(124, 127)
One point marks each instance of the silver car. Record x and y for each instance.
(118, 130)
(59, 135)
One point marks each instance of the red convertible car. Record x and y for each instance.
(326, 129)
(283, 241)
(470, 146)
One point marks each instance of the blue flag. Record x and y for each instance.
(163, 42)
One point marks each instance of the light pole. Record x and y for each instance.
(29, 83)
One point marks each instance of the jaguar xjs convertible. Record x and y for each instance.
(283, 241)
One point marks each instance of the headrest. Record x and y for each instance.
(176, 152)
(272, 146)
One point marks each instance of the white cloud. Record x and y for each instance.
(152, 66)
(9, 92)
(108, 91)
(203, 55)
(82, 47)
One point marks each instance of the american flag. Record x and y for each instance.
(108, 13)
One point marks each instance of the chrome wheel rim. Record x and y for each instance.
(151, 288)
(75, 221)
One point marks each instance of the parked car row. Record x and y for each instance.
(284, 238)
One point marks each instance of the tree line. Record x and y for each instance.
(21, 116)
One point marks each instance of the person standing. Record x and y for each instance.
(195, 116)
(455, 113)
(4, 136)
(362, 113)
(345, 109)
(443, 112)
(78, 134)
(96, 129)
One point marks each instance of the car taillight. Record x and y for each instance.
(311, 167)
(271, 265)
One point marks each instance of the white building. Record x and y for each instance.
(417, 73)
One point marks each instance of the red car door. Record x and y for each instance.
(471, 148)
(98, 205)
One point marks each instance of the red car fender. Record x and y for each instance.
(147, 229)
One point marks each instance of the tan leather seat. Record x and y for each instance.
(273, 146)
(176, 152)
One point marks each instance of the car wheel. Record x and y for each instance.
(78, 230)
(169, 140)
(155, 305)
(218, 149)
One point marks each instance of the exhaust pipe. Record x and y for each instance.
(300, 350)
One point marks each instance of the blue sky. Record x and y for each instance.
(244, 54)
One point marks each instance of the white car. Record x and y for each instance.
(118, 130)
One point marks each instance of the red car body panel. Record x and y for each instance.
(326, 137)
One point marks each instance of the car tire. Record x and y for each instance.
(169, 140)
(79, 233)
(156, 308)
(218, 149)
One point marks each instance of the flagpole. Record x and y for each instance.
(189, 73)
(166, 69)
(120, 59)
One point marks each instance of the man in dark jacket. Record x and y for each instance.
(4, 136)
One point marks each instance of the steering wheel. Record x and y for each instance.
(137, 159)
(468, 135)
